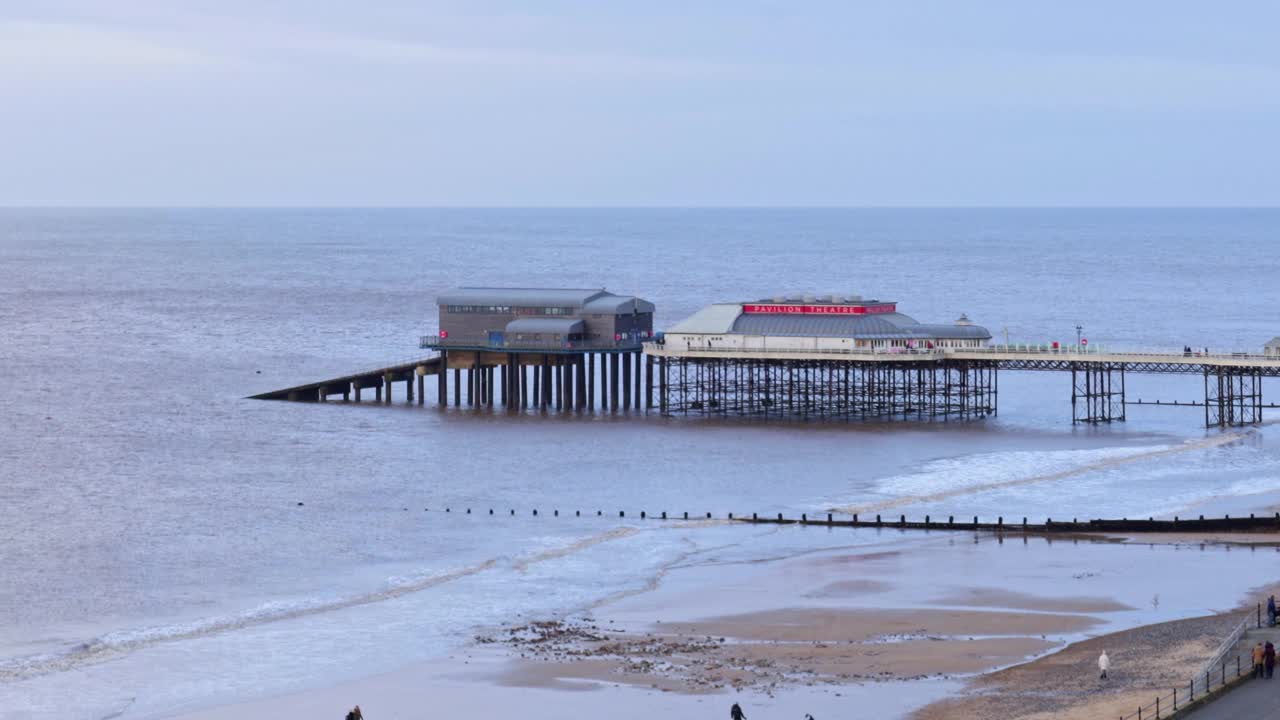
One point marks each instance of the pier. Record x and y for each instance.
(937, 383)
(829, 358)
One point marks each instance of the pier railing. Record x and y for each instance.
(1062, 352)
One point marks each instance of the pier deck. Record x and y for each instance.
(909, 383)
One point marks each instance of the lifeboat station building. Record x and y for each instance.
(842, 357)
(539, 347)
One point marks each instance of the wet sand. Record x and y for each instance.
(768, 650)
(1258, 539)
(905, 623)
(1145, 661)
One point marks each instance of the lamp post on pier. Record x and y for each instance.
(1079, 330)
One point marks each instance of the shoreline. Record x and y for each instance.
(809, 631)
(1065, 684)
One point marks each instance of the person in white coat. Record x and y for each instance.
(1104, 664)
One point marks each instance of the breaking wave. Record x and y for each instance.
(958, 477)
(116, 644)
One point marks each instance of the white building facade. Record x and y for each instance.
(830, 323)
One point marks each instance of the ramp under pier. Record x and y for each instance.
(352, 386)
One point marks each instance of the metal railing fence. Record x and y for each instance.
(1228, 664)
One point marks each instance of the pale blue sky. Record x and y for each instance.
(414, 102)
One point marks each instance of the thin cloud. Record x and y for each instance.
(32, 46)
(310, 43)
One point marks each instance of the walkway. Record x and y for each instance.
(1255, 699)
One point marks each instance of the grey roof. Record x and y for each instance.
(608, 303)
(1275, 342)
(561, 326)
(710, 320)
(884, 326)
(543, 297)
(597, 300)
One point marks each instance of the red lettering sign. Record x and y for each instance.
(820, 309)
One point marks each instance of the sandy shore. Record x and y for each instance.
(903, 624)
(769, 650)
(1146, 661)
(1191, 538)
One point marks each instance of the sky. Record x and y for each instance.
(655, 103)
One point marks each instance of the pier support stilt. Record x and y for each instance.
(662, 386)
(613, 381)
(648, 382)
(537, 386)
(625, 359)
(635, 392)
(557, 378)
(442, 380)
(591, 381)
(547, 389)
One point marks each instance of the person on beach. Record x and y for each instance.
(735, 713)
(1104, 664)
(1271, 611)
(1259, 660)
(1269, 658)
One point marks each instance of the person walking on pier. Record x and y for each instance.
(1104, 664)
(735, 713)
(1269, 659)
(1259, 661)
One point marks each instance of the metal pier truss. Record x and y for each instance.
(1097, 392)
(833, 389)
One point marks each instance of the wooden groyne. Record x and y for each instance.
(1251, 524)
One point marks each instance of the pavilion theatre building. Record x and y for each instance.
(822, 356)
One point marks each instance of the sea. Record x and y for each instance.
(168, 545)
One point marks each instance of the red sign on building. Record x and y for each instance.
(819, 309)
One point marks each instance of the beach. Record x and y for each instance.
(835, 631)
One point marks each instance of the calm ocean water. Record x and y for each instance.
(156, 559)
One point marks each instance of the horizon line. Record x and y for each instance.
(463, 206)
